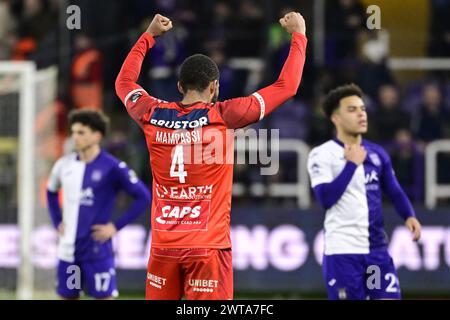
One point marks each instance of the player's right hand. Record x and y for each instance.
(355, 153)
(293, 22)
(159, 25)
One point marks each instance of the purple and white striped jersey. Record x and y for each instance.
(89, 191)
(352, 196)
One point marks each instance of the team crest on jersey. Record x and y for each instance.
(96, 175)
(375, 159)
(87, 197)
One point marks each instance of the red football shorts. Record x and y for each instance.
(196, 274)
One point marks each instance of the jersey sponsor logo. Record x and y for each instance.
(173, 119)
(87, 197)
(175, 215)
(184, 193)
(183, 124)
(371, 180)
(371, 177)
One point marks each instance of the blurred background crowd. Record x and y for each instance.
(408, 108)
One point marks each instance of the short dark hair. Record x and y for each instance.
(334, 97)
(95, 120)
(197, 72)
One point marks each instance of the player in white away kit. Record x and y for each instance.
(91, 179)
(348, 175)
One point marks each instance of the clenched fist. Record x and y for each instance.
(293, 22)
(159, 25)
(355, 153)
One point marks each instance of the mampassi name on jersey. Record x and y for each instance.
(186, 137)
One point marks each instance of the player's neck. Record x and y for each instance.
(90, 153)
(349, 138)
(194, 96)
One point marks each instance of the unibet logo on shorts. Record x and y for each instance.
(176, 215)
(203, 285)
(156, 281)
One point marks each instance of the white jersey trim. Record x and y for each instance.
(71, 178)
(130, 94)
(262, 104)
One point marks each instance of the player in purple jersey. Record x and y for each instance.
(90, 179)
(348, 175)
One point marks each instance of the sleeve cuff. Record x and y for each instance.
(117, 225)
(299, 35)
(350, 166)
(410, 215)
(150, 40)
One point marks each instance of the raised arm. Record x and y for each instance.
(240, 112)
(134, 97)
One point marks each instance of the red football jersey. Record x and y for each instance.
(191, 150)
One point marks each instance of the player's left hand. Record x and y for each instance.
(159, 25)
(293, 22)
(414, 226)
(103, 232)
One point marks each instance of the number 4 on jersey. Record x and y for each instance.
(178, 160)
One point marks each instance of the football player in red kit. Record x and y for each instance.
(191, 244)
